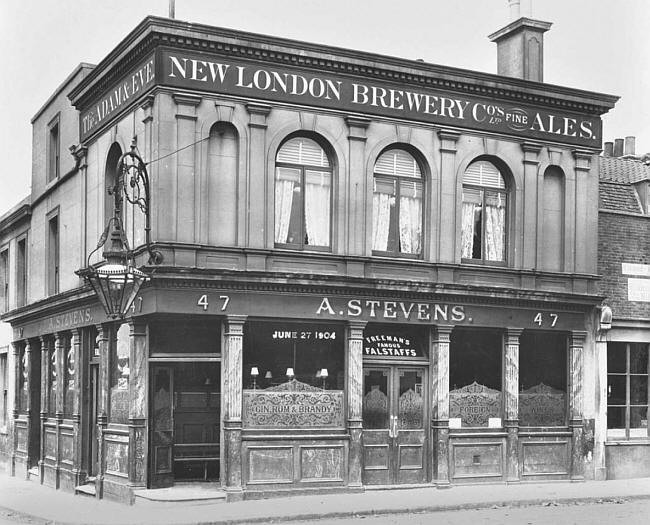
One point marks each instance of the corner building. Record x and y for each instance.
(375, 271)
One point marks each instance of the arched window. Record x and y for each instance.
(397, 204)
(303, 194)
(483, 236)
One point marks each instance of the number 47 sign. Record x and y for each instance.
(545, 319)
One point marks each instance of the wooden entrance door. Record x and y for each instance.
(394, 424)
(162, 426)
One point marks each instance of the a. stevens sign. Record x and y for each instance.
(229, 77)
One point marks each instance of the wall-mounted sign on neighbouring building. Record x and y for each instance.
(120, 95)
(638, 290)
(635, 269)
(226, 76)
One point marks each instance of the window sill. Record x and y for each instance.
(623, 442)
(303, 249)
(392, 255)
(481, 263)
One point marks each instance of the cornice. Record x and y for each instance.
(22, 211)
(152, 32)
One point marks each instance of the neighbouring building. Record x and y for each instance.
(375, 271)
(624, 343)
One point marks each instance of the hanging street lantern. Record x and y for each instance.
(115, 279)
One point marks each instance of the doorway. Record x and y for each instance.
(394, 424)
(185, 422)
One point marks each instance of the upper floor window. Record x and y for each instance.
(4, 280)
(483, 230)
(53, 256)
(397, 204)
(21, 272)
(53, 150)
(303, 195)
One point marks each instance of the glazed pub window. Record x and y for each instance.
(52, 378)
(53, 150)
(483, 216)
(70, 380)
(119, 375)
(542, 378)
(53, 256)
(397, 204)
(627, 390)
(475, 377)
(303, 195)
(284, 352)
(4, 280)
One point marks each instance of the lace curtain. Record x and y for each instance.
(467, 229)
(494, 231)
(317, 208)
(381, 205)
(283, 205)
(410, 223)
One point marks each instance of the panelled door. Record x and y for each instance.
(394, 424)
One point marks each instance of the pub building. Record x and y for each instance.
(360, 270)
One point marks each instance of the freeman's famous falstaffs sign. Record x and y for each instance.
(229, 77)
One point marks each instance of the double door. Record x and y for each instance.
(394, 424)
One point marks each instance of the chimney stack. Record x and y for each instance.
(609, 149)
(618, 147)
(520, 44)
(630, 146)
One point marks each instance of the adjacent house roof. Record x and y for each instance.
(618, 175)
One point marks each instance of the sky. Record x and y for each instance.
(596, 45)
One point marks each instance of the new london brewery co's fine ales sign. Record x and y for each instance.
(271, 82)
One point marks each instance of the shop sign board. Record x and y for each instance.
(345, 308)
(120, 95)
(270, 82)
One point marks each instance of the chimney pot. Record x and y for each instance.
(630, 145)
(609, 149)
(618, 147)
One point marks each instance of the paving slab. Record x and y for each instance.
(28, 498)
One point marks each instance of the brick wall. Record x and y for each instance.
(622, 238)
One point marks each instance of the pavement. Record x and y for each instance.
(28, 501)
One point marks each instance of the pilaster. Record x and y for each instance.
(439, 359)
(103, 340)
(15, 348)
(447, 208)
(46, 348)
(576, 401)
(59, 348)
(358, 215)
(78, 378)
(586, 213)
(232, 400)
(511, 374)
(530, 223)
(355, 400)
(138, 373)
(258, 181)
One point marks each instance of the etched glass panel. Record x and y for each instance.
(411, 401)
(120, 371)
(375, 399)
(542, 378)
